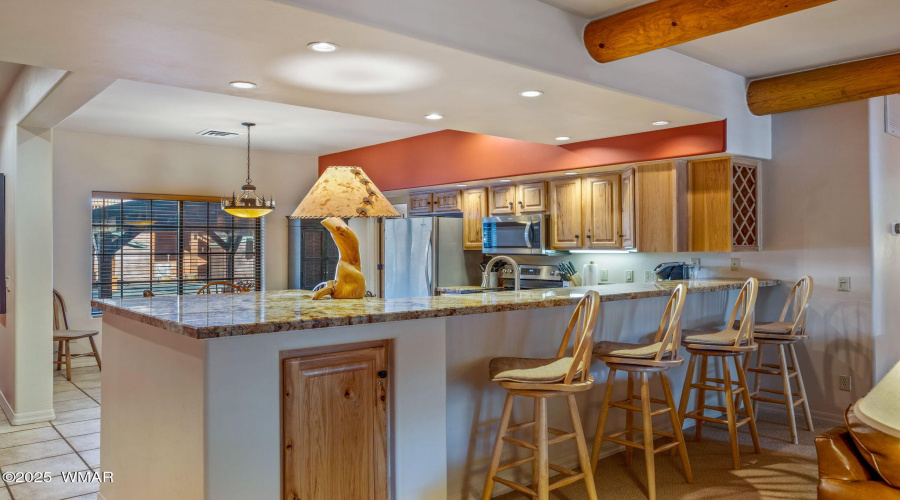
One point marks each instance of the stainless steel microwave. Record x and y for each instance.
(515, 235)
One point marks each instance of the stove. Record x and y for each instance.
(534, 276)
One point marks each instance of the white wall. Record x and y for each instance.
(884, 150)
(26, 329)
(84, 163)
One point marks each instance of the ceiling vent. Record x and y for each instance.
(217, 133)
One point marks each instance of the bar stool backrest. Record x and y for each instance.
(582, 323)
(745, 308)
(798, 303)
(669, 332)
(59, 311)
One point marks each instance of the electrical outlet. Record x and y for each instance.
(649, 276)
(844, 382)
(695, 262)
(843, 283)
(629, 276)
(604, 275)
(735, 264)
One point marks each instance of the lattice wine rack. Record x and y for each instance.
(744, 207)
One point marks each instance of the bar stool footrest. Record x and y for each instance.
(516, 486)
(520, 443)
(515, 463)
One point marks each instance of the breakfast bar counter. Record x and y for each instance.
(189, 379)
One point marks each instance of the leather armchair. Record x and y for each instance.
(858, 461)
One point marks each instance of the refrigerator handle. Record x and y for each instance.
(429, 270)
(528, 242)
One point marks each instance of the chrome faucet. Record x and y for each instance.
(487, 271)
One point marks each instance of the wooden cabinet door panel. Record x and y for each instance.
(335, 426)
(565, 214)
(709, 202)
(627, 191)
(532, 197)
(602, 216)
(503, 200)
(475, 207)
(420, 202)
(447, 201)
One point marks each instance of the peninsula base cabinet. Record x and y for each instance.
(334, 425)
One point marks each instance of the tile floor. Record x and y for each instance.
(71, 443)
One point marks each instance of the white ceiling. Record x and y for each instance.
(840, 31)
(204, 44)
(8, 72)
(150, 111)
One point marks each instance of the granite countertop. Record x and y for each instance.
(467, 289)
(227, 315)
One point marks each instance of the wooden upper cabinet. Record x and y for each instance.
(723, 204)
(420, 202)
(565, 214)
(660, 213)
(627, 192)
(474, 207)
(447, 201)
(334, 425)
(602, 215)
(532, 197)
(502, 200)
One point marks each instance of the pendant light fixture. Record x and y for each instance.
(248, 204)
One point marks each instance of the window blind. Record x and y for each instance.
(170, 245)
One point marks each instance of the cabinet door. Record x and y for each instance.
(627, 190)
(474, 208)
(709, 202)
(420, 202)
(447, 201)
(335, 426)
(602, 216)
(503, 200)
(657, 207)
(532, 197)
(565, 214)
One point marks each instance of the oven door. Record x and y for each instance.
(513, 235)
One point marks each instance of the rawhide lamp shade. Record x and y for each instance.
(880, 408)
(344, 192)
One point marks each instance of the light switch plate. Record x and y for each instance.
(629, 276)
(604, 275)
(735, 264)
(843, 283)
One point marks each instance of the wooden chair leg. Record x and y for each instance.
(68, 361)
(701, 396)
(806, 413)
(59, 355)
(730, 413)
(543, 485)
(601, 422)
(498, 448)
(629, 418)
(96, 352)
(756, 376)
(581, 444)
(786, 389)
(686, 389)
(751, 413)
(676, 426)
(649, 453)
(535, 440)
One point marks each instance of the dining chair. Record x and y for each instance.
(62, 336)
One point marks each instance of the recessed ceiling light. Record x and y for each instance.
(563, 138)
(322, 46)
(505, 180)
(531, 93)
(660, 123)
(243, 85)
(433, 116)
(571, 173)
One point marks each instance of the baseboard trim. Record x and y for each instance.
(24, 418)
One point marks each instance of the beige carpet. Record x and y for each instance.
(782, 471)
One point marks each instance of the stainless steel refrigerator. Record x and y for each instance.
(422, 253)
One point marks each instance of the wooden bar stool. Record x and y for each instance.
(543, 379)
(62, 336)
(728, 344)
(645, 360)
(783, 334)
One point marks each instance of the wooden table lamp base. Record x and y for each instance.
(349, 282)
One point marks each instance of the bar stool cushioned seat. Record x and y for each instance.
(530, 370)
(626, 350)
(724, 337)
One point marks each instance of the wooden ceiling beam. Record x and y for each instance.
(664, 23)
(846, 82)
